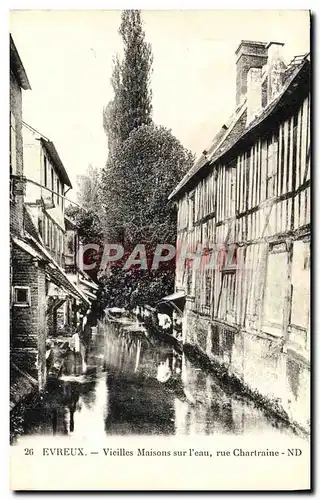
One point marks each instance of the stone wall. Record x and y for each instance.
(258, 362)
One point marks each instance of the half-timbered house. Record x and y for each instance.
(246, 204)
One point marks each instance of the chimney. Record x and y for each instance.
(254, 91)
(249, 55)
(276, 69)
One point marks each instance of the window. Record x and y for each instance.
(13, 145)
(197, 292)
(226, 296)
(58, 191)
(233, 192)
(300, 303)
(47, 236)
(70, 243)
(231, 294)
(272, 165)
(306, 256)
(47, 179)
(230, 257)
(189, 279)
(50, 234)
(61, 242)
(294, 153)
(40, 227)
(191, 212)
(264, 151)
(208, 284)
(45, 171)
(52, 182)
(21, 296)
(275, 287)
(54, 231)
(45, 223)
(49, 175)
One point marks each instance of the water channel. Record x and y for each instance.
(139, 385)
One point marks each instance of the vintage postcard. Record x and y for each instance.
(160, 250)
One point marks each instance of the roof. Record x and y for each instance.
(54, 270)
(52, 153)
(69, 223)
(21, 384)
(239, 131)
(55, 158)
(89, 294)
(173, 297)
(90, 284)
(32, 245)
(232, 126)
(174, 301)
(17, 68)
(27, 248)
(29, 224)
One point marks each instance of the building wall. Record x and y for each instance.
(28, 323)
(252, 216)
(256, 360)
(16, 203)
(33, 164)
(39, 167)
(49, 220)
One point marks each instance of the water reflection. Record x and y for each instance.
(136, 384)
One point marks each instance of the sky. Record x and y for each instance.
(68, 57)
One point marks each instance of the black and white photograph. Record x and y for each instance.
(160, 249)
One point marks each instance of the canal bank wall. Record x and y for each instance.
(252, 365)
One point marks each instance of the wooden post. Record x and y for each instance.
(280, 163)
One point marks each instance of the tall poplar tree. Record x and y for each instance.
(132, 106)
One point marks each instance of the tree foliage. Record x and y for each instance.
(88, 188)
(89, 219)
(136, 287)
(151, 162)
(89, 226)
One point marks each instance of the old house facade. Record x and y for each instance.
(47, 183)
(27, 282)
(244, 211)
(45, 301)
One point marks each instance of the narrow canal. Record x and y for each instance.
(135, 385)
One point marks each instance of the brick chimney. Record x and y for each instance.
(276, 68)
(249, 54)
(254, 93)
